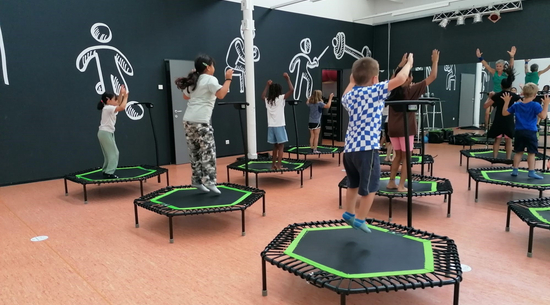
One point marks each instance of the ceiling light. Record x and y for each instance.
(495, 16)
(460, 20)
(478, 18)
(444, 23)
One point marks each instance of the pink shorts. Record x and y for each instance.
(398, 143)
(505, 136)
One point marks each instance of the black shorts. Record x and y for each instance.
(526, 139)
(312, 126)
(363, 171)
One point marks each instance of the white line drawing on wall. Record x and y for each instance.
(340, 48)
(300, 65)
(427, 71)
(236, 47)
(484, 79)
(3, 59)
(451, 77)
(102, 33)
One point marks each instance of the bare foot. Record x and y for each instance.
(391, 185)
(402, 189)
(273, 167)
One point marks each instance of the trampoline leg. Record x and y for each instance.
(477, 189)
(264, 279)
(340, 198)
(467, 163)
(391, 210)
(136, 215)
(242, 218)
(530, 246)
(228, 175)
(66, 189)
(540, 194)
(449, 206)
(469, 183)
(445, 198)
(256, 180)
(460, 159)
(432, 169)
(141, 187)
(171, 229)
(167, 179)
(508, 219)
(311, 172)
(342, 299)
(456, 293)
(159, 178)
(301, 178)
(339, 155)
(85, 194)
(263, 205)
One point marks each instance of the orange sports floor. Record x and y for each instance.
(95, 255)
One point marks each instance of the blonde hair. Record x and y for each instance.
(530, 90)
(316, 97)
(364, 70)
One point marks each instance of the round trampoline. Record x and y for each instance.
(187, 200)
(415, 160)
(534, 212)
(322, 150)
(487, 155)
(332, 255)
(263, 165)
(125, 174)
(502, 176)
(422, 186)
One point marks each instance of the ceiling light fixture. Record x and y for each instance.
(478, 18)
(444, 23)
(460, 20)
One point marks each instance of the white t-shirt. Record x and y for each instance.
(276, 112)
(202, 100)
(108, 118)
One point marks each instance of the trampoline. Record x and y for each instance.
(422, 186)
(263, 165)
(487, 155)
(332, 255)
(502, 176)
(415, 160)
(125, 174)
(534, 212)
(323, 150)
(187, 200)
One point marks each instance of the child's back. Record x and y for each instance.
(276, 111)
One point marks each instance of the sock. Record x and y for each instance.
(514, 172)
(361, 225)
(348, 216)
(358, 222)
(533, 174)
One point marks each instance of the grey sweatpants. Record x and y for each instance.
(202, 152)
(110, 151)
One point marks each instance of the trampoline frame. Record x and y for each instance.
(445, 258)
(307, 164)
(298, 151)
(415, 177)
(146, 203)
(428, 160)
(464, 152)
(475, 174)
(74, 178)
(521, 209)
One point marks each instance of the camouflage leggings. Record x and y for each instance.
(202, 152)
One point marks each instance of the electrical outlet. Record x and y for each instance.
(161, 87)
(226, 142)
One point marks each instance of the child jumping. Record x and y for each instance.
(396, 117)
(316, 106)
(527, 112)
(364, 100)
(275, 104)
(201, 89)
(110, 106)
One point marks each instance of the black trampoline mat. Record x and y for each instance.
(351, 253)
(520, 179)
(418, 186)
(542, 214)
(191, 198)
(260, 166)
(308, 150)
(501, 155)
(122, 173)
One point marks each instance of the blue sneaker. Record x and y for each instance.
(361, 225)
(514, 172)
(349, 218)
(533, 174)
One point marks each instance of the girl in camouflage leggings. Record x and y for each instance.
(200, 88)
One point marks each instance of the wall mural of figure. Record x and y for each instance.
(3, 60)
(340, 48)
(235, 59)
(102, 34)
(451, 77)
(300, 65)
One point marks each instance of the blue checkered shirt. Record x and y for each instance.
(364, 106)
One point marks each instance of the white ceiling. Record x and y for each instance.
(377, 11)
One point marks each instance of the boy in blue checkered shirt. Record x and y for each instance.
(364, 100)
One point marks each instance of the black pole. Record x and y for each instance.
(545, 143)
(150, 106)
(408, 164)
(296, 128)
(422, 145)
(331, 125)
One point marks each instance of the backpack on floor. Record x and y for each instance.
(461, 139)
(436, 136)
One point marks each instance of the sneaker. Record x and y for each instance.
(213, 188)
(109, 176)
(361, 225)
(201, 188)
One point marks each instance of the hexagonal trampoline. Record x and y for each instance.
(187, 200)
(332, 255)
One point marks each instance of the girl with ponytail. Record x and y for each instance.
(200, 89)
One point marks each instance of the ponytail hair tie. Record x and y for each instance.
(205, 64)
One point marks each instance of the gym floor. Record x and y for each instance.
(95, 255)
